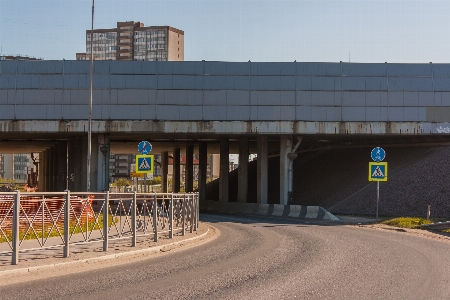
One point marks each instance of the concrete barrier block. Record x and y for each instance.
(254, 208)
(262, 209)
(327, 215)
(278, 210)
(294, 211)
(312, 212)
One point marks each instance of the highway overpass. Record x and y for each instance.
(213, 107)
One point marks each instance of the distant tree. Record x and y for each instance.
(155, 180)
(121, 183)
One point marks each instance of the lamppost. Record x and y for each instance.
(88, 185)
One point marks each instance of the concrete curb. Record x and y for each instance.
(101, 258)
(276, 210)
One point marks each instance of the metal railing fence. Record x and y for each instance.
(31, 221)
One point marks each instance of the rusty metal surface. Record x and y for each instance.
(229, 127)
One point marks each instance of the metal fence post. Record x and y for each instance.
(66, 224)
(183, 215)
(171, 217)
(155, 215)
(87, 217)
(198, 209)
(194, 203)
(191, 203)
(15, 229)
(133, 220)
(43, 218)
(105, 222)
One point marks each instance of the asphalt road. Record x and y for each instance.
(260, 258)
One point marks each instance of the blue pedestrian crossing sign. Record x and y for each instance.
(378, 171)
(144, 164)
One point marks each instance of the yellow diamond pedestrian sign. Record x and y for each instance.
(144, 164)
(378, 171)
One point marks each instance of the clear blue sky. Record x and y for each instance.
(242, 30)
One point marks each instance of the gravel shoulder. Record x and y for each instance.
(435, 235)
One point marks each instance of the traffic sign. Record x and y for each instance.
(378, 154)
(378, 171)
(144, 164)
(144, 147)
(134, 174)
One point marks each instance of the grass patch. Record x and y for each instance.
(407, 222)
(45, 232)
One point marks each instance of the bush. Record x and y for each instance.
(407, 222)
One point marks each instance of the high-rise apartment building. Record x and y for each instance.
(16, 166)
(132, 41)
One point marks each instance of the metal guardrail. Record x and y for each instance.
(92, 217)
(437, 226)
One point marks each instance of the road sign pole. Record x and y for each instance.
(378, 196)
(145, 183)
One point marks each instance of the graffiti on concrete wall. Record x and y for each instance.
(441, 129)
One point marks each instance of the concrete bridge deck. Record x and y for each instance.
(216, 107)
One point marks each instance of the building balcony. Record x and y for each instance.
(126, 50)
(124, 29)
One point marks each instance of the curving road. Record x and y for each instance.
(260, 258)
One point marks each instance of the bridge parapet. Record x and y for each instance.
(225, 91)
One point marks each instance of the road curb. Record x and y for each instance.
(101, 258)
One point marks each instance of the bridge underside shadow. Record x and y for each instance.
(337, 180)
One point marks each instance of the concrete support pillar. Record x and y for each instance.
(189, 176)
(262, 170)
(54, 169)
(164, 171)
(94, 164)
(243, 171)
(71, 164)
(49, 170)
(224, 170)
(103, 163)
(105, 152)
(8, 166)
(285, 149)
(176, 176)
(79, 158)
(80, 167)
(61, 167)
(203, 161)
(42, 172)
